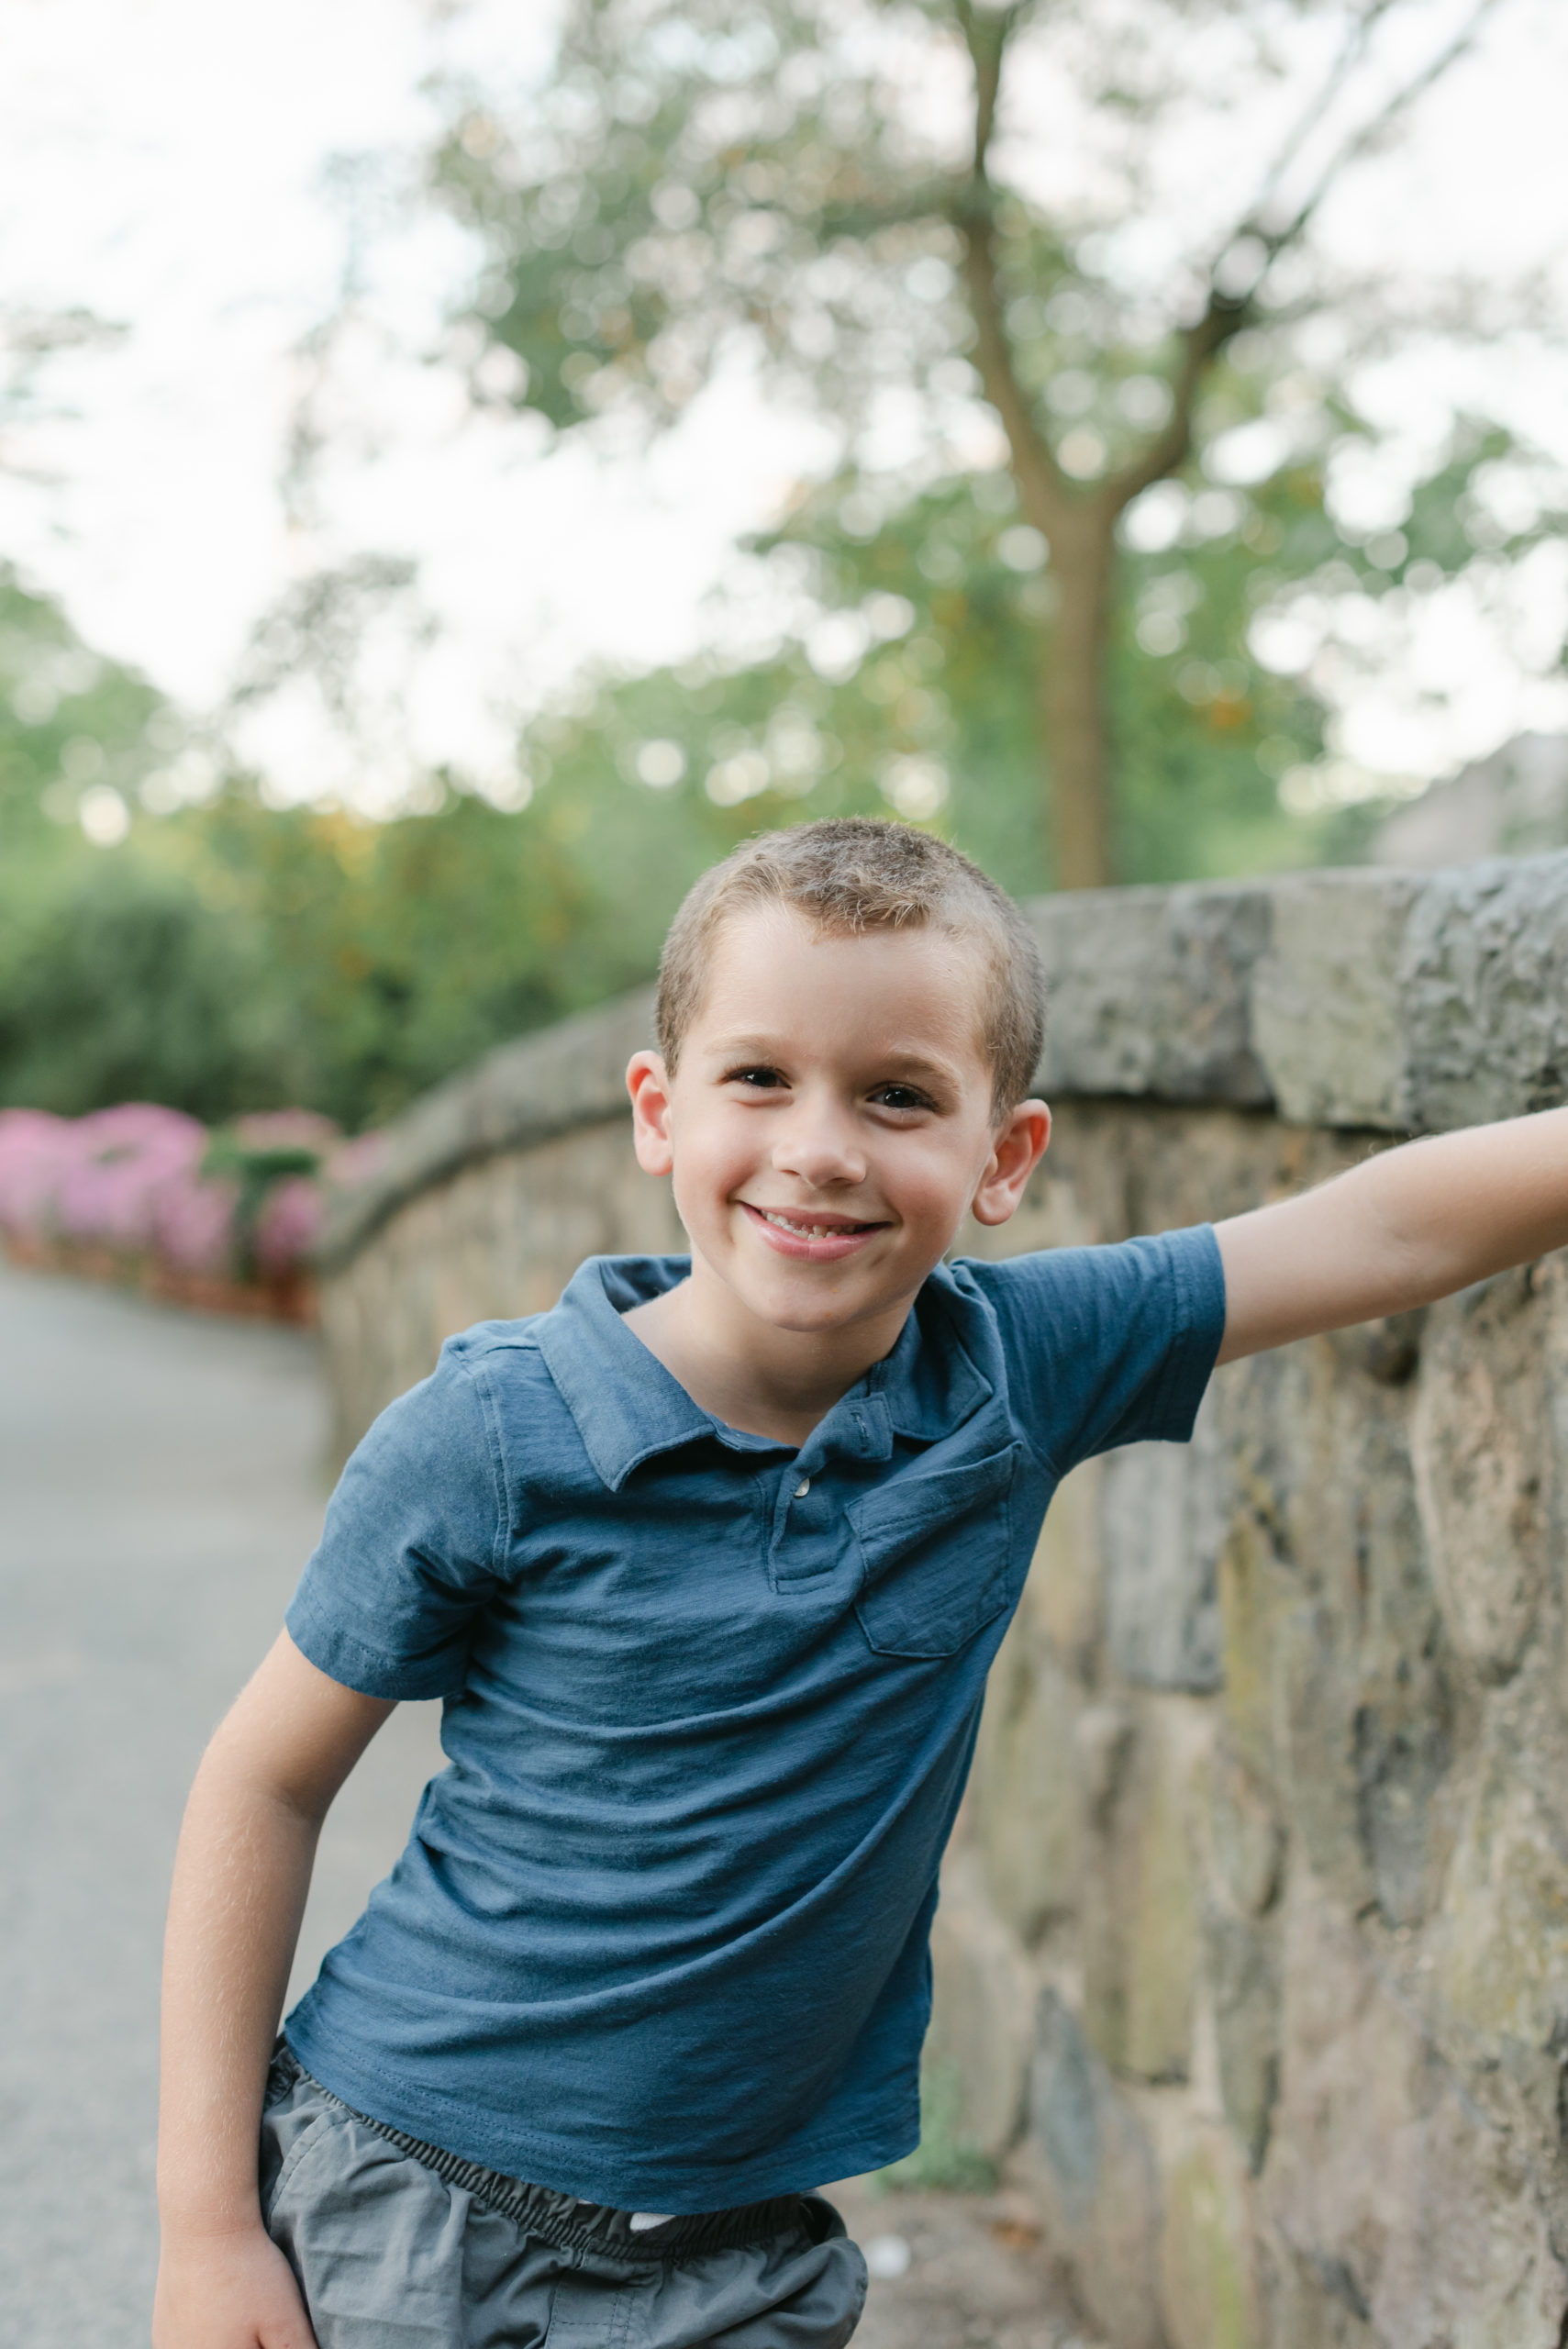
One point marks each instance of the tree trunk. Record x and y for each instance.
(1075, 717)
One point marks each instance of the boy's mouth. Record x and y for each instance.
(819, 1237)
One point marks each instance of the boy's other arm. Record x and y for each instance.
(241, 1873)
(1410, 1225)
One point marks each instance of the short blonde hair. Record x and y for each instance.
(854, 873)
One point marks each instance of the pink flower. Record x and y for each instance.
(287, 1227)
(194, 1227)
(33, 1146)
(129, 1179)
(116, 1163)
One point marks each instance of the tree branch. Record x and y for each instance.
(1041, 483)
(1222, 317)
(1352, 49)
(1042, 486)
(1276, 240)
(986, 38)
(1228, 310)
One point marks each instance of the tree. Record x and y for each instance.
(702, 174)
(904, 676)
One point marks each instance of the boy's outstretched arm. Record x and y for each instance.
(1408, 1226)
(240, 1878)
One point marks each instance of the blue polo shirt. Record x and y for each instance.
(658, 1937)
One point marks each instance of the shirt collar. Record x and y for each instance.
(929, 1382)
(625, 1402)
(628, 1407)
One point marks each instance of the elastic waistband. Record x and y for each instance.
(561, 2218)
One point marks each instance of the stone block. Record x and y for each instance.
(1024, 1791)
(1319, 1794)
(1484, 979)
(982, 2031)
(1244, 1986)
(1328, 1013)
(1246, 1835)
(1163, 1508)
(1064, 1596)
(1387, 1350)
(1360, 998)
(1404, 1748)
(1276, 1428)
(1479, 1443)
(1257, 1592)
(1246, 1849)
(1310, 2304)
(1149, 991)
(1384, 2174)
(1501, 1945)
(1209, 2284)
(1138, 1900)
(1097, 2181)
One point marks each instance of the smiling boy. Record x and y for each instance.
(709, 1564)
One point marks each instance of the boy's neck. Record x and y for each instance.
(765, 1381)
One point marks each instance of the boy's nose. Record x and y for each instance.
(820, 1150)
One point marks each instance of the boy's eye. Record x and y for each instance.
(763, 1079)
(899, 1097)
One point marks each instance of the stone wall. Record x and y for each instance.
(1253, 1955)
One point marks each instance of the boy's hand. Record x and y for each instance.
(229, 2291)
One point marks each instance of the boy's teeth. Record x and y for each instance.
(806, 1230)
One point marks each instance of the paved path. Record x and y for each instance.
(161, 1484)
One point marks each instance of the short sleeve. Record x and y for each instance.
(1108, 1345)
(413, 1546)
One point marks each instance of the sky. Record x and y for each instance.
(165, 164)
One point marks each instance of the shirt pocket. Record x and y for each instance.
(936, 1552)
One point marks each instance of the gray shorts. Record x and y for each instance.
(396, 2245)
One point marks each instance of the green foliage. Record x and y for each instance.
(113, 981)
(698, 178)
(68, 720)
(224, 956)
(936, 716)
(682, 176)
(228, 956)
(122, 986)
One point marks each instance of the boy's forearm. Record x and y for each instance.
(1408, 1226)
(241, 1880)
(1456, 1208)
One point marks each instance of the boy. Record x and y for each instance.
(708, 1563)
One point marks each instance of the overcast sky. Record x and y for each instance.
(162, 162)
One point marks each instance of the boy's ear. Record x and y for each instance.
(648, 1086)
(1016, 1152)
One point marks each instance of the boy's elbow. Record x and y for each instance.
(241, 1776)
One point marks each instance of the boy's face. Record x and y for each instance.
(830, 1120)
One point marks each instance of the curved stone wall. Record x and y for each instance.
(1253, 1955)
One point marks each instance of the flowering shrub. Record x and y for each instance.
(136, 1191)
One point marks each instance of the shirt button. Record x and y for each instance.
(803, 1488)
